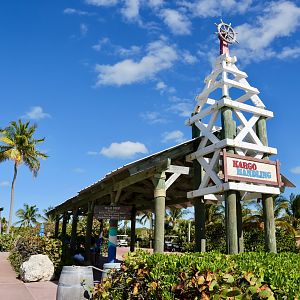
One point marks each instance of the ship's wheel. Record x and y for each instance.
(226, 33)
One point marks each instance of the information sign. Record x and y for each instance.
(249, 169)
(112, 212)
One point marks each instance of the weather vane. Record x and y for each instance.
(226, 35)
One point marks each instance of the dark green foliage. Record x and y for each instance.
(204, 276)
(24, 247)
(6, 242)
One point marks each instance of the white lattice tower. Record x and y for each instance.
(236, 93)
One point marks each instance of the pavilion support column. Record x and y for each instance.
(239, 223)
(112, 242)
(132, 229)
(56, 229)
(267, 200)
(64, 234)
(229, 131)
(199, 205)
(159, 182)
(200, 245)
(74, 230)
(88, 233)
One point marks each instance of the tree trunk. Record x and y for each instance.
(12, 196)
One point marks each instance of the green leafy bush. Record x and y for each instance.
(24, 247)
(6, 242)
(204, 276)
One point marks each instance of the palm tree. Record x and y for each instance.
(147, 216)
(256, 218)
(174, 216)
(48, 218)
(19, 145)
(28, 215)
(293, 211)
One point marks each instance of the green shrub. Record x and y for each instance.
(6, 242)
(24, 247)
(204, 276)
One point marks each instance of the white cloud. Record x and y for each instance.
(189, 58)
(279, 19)
(163, 88)
(155, 3)
(36, 113)
(160, 56)
(288, 52)
(296, 170)
(131, 9)
(92, 153)
(176, 136)
(182, 107)
(177, 22)
(124, 150)
(102, 2)
(73, 11)
(83, 29)
(4, 183)
(216, 8)
(101, 43)
(153, 117)
(133, 50)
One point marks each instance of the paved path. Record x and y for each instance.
(12, 288)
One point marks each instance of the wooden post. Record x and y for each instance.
(88, 234)
(132, 229)
(159, 181)
(199, 206)
(56, 229)
(63, 234)
(239, 223)
(74, 230)
(267, 200)
(229, 131)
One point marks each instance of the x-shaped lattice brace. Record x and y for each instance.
(209, 168)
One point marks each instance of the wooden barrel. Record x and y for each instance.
(75, 283)
(108, 267)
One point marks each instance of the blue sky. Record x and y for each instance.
(110, 81)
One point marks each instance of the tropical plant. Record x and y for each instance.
(293, 211)
(174, 216)
(46, 217)
(28, 215)
(19, 145)
(147, 216)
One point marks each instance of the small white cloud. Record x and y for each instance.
(101, 43)
(133, 50)
(102, 2)
(176, 136)
(78, 170)
(131, 9)
(163, 88)
(216, 8)
(153, 117)
(296, 170)
(124, 150)
(83, 29)
(36, 113)
(189, 58)
(177, 22)
(155, 3)
(288, 52)
(73, 11)
(182, 107)
(160, 56)
(92, 153)
(4, 183)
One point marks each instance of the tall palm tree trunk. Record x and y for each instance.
(12, 196)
